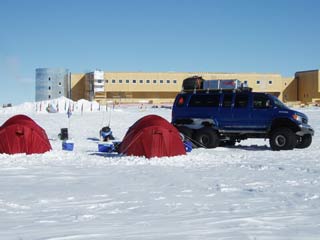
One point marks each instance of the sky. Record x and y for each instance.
(263, 36)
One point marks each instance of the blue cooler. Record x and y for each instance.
(67, 145)
(105, 147)
(188, 146)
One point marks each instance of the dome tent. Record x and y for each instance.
(152, 136)
(20, 134)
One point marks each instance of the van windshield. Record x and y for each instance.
(278, 103)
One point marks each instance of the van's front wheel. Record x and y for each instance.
(282, 139)
(206, 137)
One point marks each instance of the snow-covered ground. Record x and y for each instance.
(245, 192)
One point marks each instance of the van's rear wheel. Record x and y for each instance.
(186, 134)
(206, 137)
(228, 143)
(282, 139)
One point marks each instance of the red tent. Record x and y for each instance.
(20, 134)
(152, 136)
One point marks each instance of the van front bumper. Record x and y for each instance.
(305, 129)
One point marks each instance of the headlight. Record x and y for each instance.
(297, 117)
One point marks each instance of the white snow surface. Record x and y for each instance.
(244, 192)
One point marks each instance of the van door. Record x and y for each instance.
(225, 120)
(241, 112)
(262, 111)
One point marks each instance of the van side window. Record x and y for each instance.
(227, 100)
(261, 101)
(208, 100)
(241, 100)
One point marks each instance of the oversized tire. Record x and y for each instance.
(304, 141)
(282, 139)
(206, 137)
(186, 134)
(227, 143)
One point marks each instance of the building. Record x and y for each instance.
(162, 87)
(157, 86)
(308, 87)
(52, 83)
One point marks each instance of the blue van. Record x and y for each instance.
(211, 118)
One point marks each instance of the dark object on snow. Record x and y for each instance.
(20, 134)
(63, 135)
(7, 105)
(106, 134)
(152, 136)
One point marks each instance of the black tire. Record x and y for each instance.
(186, 134)
(282, 139)
(206, 137)
(304, 141)
(227, 143)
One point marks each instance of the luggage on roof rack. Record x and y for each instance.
(222, 84)
(192, 83)
(197, 84)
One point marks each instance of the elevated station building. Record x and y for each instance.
(162, 87)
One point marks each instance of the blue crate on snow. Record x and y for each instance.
(67, 145)
(105, 147)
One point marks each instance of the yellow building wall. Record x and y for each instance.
(158, 81)
(77, 86)
(308, 86)
(163, 86)
(290, 90)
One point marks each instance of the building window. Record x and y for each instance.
(134, 81)
(258, 82)
(100, 81)
(127, 81)
(59, 83)
(270, 82)
(113, 81)
(49, 88)
(161, 81)
(49, 96)
(175, 81)
(168, 81)
(120, 81)
(154, 81)
(148, 81)
(60, 92)
(49, 78)
(140, 81)
(106, 81)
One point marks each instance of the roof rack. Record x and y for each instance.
(219, 85)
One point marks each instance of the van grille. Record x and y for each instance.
(304, 120)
